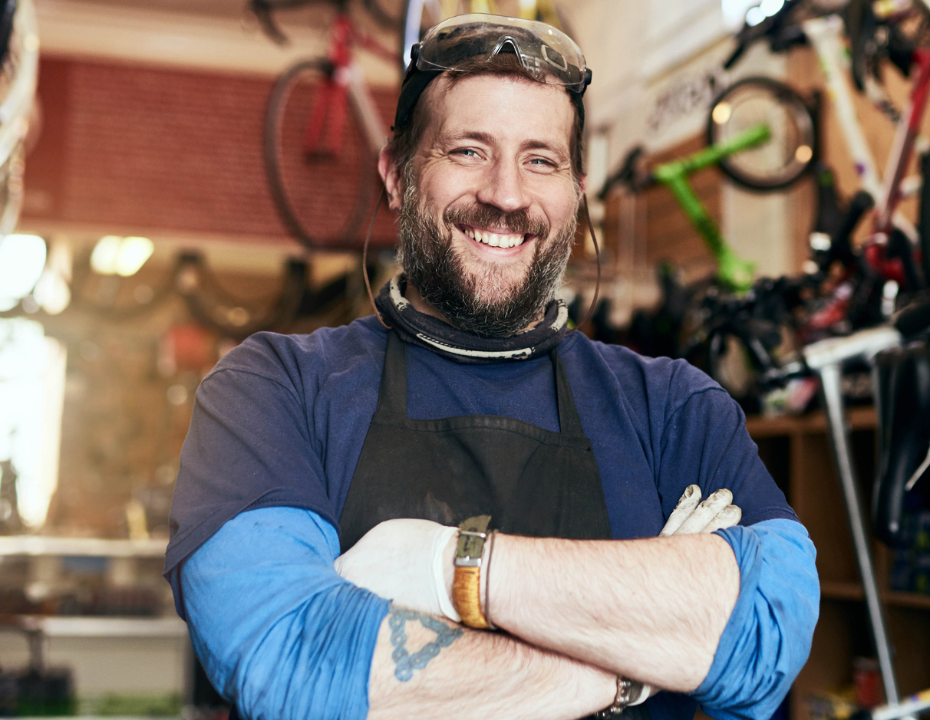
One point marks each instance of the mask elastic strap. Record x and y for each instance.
(371, 225)
(597, 255)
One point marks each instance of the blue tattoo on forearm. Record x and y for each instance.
(404, 662)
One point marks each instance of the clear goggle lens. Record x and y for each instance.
(547, 53)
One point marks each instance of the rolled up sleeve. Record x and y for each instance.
(278, 632)
(768, 637)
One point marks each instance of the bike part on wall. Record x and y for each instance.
(793, 146)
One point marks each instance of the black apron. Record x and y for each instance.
(531, 481)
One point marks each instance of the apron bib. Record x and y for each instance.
(531, 481)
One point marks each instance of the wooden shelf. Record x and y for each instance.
(102, 626)
(853, 591)
(859, 418)
(34, 545)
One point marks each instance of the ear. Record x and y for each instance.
(393, 183)
(582, 185)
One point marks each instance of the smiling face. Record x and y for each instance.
(489, 203)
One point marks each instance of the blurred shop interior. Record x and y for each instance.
(189, 173)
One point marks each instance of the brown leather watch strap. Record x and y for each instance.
(466, 583)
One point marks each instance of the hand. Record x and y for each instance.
(714, 513)
(404, 560)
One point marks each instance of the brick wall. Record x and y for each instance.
(156, 148)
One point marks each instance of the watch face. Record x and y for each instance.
(472, 534)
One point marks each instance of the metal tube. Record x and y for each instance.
(830, 382)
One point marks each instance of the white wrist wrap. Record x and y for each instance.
(440, 540)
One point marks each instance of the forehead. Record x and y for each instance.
(511, 109)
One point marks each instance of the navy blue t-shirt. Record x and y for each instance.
(281, 421)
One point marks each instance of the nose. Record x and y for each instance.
(504, 187)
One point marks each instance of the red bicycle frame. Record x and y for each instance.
(329, 108)
(898, 162)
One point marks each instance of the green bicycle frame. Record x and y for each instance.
(732, 271)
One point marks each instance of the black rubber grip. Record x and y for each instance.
(860, 203)
(914, 319)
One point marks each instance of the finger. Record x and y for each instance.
(728, 517)
(705, 512)
(686, 504)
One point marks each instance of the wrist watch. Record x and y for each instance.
(627, 691)
(466, 583)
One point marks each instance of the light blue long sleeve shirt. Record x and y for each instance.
(284, 637)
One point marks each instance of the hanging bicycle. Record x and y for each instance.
(323, 133)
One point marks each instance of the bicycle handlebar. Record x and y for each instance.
(776, 28)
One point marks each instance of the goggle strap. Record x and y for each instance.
(371, 225)
(410, 92)
(597, 256)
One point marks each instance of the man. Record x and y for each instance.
(476, 402)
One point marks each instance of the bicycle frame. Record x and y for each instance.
(346, 81)
(733, 271)
(826, 36)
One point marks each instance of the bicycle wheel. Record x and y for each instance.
(421, 15)
(383, 13)
(792, 147)
(322, 185)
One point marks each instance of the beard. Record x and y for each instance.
(487, 301)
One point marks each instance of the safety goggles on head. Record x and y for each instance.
(547, 54)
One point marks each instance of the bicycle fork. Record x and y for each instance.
(826, 358)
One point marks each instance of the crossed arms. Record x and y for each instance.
(285, 637)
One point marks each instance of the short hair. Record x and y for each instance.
(406, 140)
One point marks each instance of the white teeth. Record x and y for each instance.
(493, 239)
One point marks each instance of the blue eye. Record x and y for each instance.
(543, 162)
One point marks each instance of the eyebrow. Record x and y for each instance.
(489, 139)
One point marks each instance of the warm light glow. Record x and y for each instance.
(804, 153)
(103, 258)
(22, 258)
(52, 293)
(754, 16)
(722, 113)
(771, 7)
(133, 253)
(820, 242)
(32, 378)
(120, 256)
(734, 11)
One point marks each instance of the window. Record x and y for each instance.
(32, 377)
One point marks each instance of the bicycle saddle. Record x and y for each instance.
(903, 405)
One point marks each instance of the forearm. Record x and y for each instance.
(281, 635)
(476, 674)
(653, 610)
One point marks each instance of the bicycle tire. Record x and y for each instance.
(322, 200)
(787, 155)
(388, 19)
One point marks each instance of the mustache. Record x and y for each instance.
(488, 216)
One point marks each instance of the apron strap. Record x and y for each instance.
(569, 420)
(392, 395)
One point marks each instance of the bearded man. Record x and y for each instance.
(315, 551)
